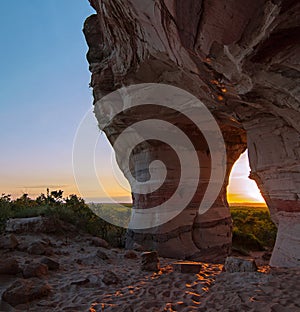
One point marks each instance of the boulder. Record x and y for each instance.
(130, 254)
(50, 263)
(149, 261)
(233, 264)
(110, 278)
(99, 242)
(35, 270)
(9, 242)
(102, 255)
(31, 225)
(25, 291)
(40, 247)
(9, 266)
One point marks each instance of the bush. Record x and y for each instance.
(246, 241)
(71, 209)
(253, 228)
(5, 210)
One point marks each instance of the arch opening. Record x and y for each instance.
(241, 189)
(253, 231)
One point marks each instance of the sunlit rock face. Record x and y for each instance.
(241, 59)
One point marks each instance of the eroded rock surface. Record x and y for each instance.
(33, 225)
(241, 59)
(233, 264)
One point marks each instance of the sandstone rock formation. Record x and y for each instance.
(33, 225)
(241, 59)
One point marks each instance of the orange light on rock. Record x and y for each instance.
(220, 98)
(224, 90)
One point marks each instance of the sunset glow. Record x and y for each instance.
(38, 123)
(111, 182)
(241, 189)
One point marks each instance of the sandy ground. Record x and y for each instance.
(78, 284)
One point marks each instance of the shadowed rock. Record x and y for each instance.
(31, 225)
(149, 261)
(110, 278)
(9, 266)
(99, 242)
(35, 270)
(187, 267)
(24, 291)
(130, 254)
(9, 242)
(51, 264)
(233, 264)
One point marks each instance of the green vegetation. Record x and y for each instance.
(71, 209)
(253, 228)
(113, 213)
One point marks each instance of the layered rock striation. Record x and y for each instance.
(241, 59)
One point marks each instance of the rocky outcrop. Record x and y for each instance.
(241, 59)
(33, 225)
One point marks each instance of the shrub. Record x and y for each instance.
(246, 241)
(71, 209)
(253, 228)
(5, 210)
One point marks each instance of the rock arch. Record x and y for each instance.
(240, 58)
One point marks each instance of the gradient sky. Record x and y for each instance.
(45, 94)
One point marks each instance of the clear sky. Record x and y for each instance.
(45, 94)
